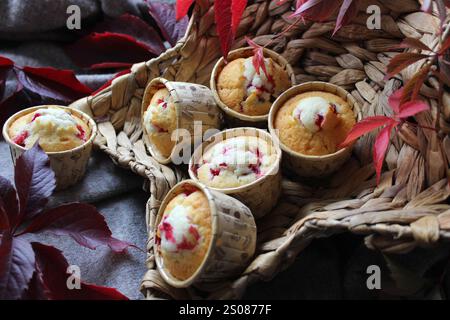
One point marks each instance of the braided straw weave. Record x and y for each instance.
(408, 208)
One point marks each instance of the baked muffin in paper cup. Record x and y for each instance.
(243, 163)
(167, 108)
(201, 236)
(309, 121)
(65, 134)
(246, 94)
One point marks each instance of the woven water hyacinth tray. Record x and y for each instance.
(408, 208)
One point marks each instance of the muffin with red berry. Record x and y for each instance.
(247, 91)
(242, 162)
(201, 236)
(184, 233)
(160, 120)
(310, 121)
(57, 129)
(65, 134)
(170, 105)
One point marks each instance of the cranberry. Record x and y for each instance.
(255, 168)
(36, 115)
(215, 172)
(81, 133)
(319, 120)
(333, 108)
(168, 231)
(188, 190)
(20, 139)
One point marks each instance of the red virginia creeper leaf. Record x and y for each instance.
(17, 264)
(108, 47)
(348, 11)
(135, 27)
(61, 85)
(35, 181)
(53, 267)
(9, 206)
(80, 221)
(237, 9)
(412, 108)
(380, 147)
(223, 18)
(403, 60)
(413, 43)
(5, 66)
(365, 126)
(182, 8)
(36, 288)
(395, 100)
(258, 57)
(164, 15)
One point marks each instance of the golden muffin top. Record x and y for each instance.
(314, 123)
(56, 128)
(249, 91)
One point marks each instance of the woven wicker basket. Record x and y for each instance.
(408, 208)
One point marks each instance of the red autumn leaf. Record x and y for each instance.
(9, 206)
(36, 288)
(237, 9)
(135, 27)
(110, 81)
(182, 8)
(164, 15)
(413, 43)
(316, 10)
(53, 267)
(108, 47)
(80, 221)
(223, 18)
(61, 85)
(35, 182)
(365, 126)
(412, 108)
(395, 100)
(380, 148)
(403, 60)
(348, 11)
(258, 57)
(17, 264)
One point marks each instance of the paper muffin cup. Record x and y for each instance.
(233, 238)
(309, 165)
(69, 165)
(232, 117)
(194, 105)
(262, 194)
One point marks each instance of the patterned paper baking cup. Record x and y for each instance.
(233, 239)
(308, 165)
(262, 194)
(70, 165)
(232, 117)
(195, 106)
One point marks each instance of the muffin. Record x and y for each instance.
(56, 128)
(183, 235)
(235, 162)
(243, 163)
(201, 236)
(314, 123)
(249, 91)
(160, 120)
